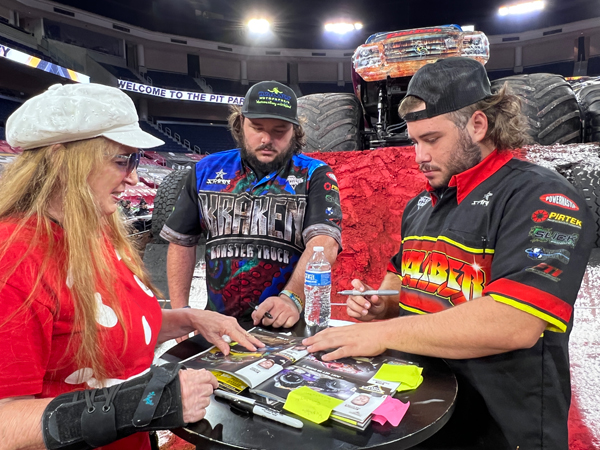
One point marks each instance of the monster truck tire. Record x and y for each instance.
(589, 101)
(164, 202)
(549, 104)
(587, 181)
(331, 122)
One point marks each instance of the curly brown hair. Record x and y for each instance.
(507, 127)
(236, 122)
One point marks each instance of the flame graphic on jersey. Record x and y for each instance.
(441, 275)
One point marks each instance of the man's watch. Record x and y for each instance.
(295, 298)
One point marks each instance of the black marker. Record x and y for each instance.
(250, 405)
(255, 306)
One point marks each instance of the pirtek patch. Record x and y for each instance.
(562, 218)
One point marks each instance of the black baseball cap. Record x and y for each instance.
(271, 100)
(448, 85)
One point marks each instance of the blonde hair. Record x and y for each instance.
(236, 121)
(507, 127)
(60, 173)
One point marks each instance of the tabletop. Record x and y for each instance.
(431, 405)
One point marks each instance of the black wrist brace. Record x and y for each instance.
(95, 417)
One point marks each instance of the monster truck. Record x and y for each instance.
(382, 68)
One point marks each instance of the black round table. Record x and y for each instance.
(431, 405)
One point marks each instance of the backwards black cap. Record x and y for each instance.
(448, 85)
(271, 100)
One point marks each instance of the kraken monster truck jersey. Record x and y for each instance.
(521, 234)
(256, 229)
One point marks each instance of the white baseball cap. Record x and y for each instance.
(74, 112)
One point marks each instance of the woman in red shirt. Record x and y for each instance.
(78, 311)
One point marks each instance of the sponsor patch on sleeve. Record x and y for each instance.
(560, 200)
(542, 215)
(548, 235)
(541, 253)
(546, 271)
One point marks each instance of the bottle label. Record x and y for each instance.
(317, 278)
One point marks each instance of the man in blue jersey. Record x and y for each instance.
(262, 207)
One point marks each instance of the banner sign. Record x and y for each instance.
(37, 63)
(179, 95)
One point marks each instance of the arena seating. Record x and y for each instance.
(170, 144)
(230, 87)
(24, 48)
(122, 73)
(209, 138)
(564, 68)
(323, 88)
(7, 107)
(174, 80)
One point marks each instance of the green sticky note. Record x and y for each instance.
(408, 375)
(311, 405)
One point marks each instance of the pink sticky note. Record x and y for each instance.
(391, 410)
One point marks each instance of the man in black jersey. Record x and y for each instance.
(492, 256)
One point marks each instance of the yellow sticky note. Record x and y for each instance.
(311, 405)
(408, 375)
(407, 387)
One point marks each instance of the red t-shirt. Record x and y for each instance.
(36, 357)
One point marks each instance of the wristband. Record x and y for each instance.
(295, 298)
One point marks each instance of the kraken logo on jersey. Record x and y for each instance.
(279, 217)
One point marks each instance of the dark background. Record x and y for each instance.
(299, 23)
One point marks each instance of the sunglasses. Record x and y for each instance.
(129, 162)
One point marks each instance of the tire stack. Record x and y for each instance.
(165, 200)
(587, 181)
(589, 101)
(555, 114)
(331, 122)
(550, 105)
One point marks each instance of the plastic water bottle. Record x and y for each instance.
(317, 289)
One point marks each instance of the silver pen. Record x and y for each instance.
(250, 405)
(370, 292)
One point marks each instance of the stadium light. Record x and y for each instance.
(521, 8)
(259, 26)
(342, 27)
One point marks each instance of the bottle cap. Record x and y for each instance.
(318, 249)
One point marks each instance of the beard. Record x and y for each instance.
(465, 156)
(266, 167)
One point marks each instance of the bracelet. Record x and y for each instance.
(295, 298)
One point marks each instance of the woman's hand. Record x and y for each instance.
(196, 388)
(213, 326)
